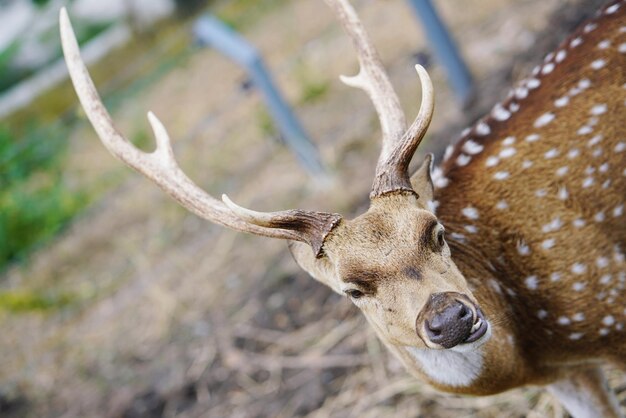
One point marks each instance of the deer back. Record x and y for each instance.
(532, 196)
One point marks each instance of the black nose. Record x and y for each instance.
(450, 326)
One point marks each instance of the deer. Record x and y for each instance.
(499, 268)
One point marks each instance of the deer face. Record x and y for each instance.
(394, 264)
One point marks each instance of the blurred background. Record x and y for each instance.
(116, 302)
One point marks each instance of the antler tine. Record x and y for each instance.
(161, 167)
(372, 77)
(392, 171)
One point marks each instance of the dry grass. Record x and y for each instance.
(178, 317)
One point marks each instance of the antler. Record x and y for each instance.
(398, 145)
(161, 167)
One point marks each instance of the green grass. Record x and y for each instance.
(243, 13)
(28, 301)
(35, 201)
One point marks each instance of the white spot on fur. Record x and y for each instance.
(579, 223)
(598, 64)
(618, 211)
(576, 336)
(560, 56)
(439, 181)
(612, 9)
(598, 109)
(433, 205)
(578, 317)
(548, 68)
(589, 27)
(588, 182)
(463, 160)
(584, 130)
(608, 320)
(555, 277)
(492, 161)
(561, 102)
(470, 212)
(604, 168)
(543, 120)
(533, 83)
(542, 314)
(604, 44)
(472, 229)
(594, 141)
(521, 93)
(541, 193)
(483, 129)
(554, 225)
(599, 217)
(622, 48)
(551, 154)
(573, 153)
(523, 248)
(509, 140)
(562, 193)
(563, 320)
(472, 147)
(606, 279)
(579, 286)
(532, 282)
(500, 113)
(575, 42)
(502, 205)
(561, 171)
(448, 153)
(501, 175)
(620, 146)
(584, 83)
(507, 152)
(527, 164)
(602, 262)
(579, 268)
(458, 237)
(513, 107)
(532, 138)
(603, 332)
(547, 244)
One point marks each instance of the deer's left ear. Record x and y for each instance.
(422, 182)
(321, 268)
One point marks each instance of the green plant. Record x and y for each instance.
(35, 202)
(312, 88)
(29, 301)
(265, 122)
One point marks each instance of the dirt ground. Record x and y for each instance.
(173, 316)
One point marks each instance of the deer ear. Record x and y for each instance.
(422, 182)
(321, 268)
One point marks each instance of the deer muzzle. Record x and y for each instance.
(450, 319)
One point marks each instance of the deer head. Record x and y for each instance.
(392, 261)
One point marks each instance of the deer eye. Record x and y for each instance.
(439, 237)
(354, 293)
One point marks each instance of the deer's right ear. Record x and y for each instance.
(423, 183)
(321, 268)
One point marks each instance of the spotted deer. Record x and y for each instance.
(528, 288)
